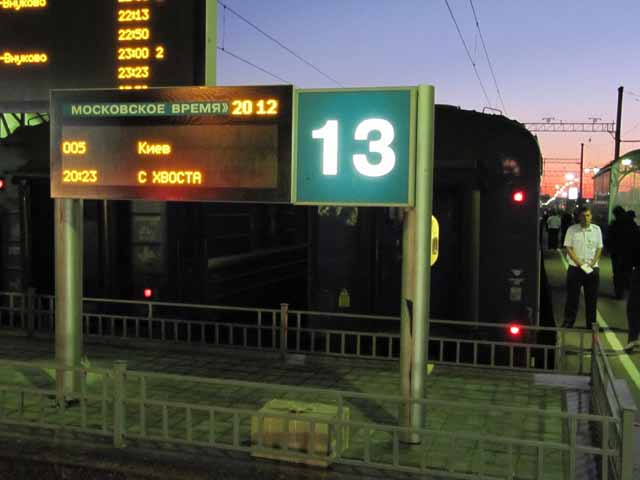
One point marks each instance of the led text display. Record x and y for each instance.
(130, 45)
(173, 144)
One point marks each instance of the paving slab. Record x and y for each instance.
(611, 314)
(448, 385)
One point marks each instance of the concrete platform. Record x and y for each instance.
(612, 315)
(450, 385)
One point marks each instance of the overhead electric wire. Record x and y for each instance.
(280, 44)
(631, 129)
(486, 53)
(468, 54)
(237, 57)
(637, 97)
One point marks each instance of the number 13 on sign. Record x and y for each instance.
(354, 147)
(329, 135)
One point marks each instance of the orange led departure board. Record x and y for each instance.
(126, 44)
(227, 144)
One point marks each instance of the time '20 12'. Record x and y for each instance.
(258, 107)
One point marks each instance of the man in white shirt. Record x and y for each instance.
(583, 242)
(553, 228)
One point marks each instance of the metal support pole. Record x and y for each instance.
(25, 233)
(29, 301)
(424, 200)
(416, 329)
(211, 42)
(106, 241)
(406, 321)
(594, 359)
(616, 153)
(627, 455)
(284, 329)
(68, 272)
(581, 196)
(474, 253)
(119, 374)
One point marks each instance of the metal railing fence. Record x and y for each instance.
(610, 396)
(228, 414)
(487, 345)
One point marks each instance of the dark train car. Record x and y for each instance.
(237, 254)
(26, 211)
(486, 199)
(326, 258)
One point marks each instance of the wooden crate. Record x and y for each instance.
(296, 433)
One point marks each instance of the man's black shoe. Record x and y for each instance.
(566, 325)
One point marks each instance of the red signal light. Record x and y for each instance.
(518, 196)
(1, 183)
(515, 330)
(148, 293)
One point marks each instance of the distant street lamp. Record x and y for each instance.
(570, 176)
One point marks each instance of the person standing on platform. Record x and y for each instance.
(584, 247)
(633, 302)
(619, 237)
(542, 226)
(566, 220)
(553, 227)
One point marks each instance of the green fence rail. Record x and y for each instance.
(362, 429)
(123, 404)
(487, 345)
(610, 396)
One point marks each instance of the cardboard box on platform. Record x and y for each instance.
(296, 433)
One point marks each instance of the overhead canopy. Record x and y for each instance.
(623, 178)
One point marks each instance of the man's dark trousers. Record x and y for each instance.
(576, 278)
(553, 238)
(621, 273)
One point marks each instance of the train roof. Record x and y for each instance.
(634, 155)
(483, 142)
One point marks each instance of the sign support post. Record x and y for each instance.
(406, 321)
(416, 272)
(68, 308)
(211, 43)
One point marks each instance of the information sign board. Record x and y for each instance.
(53, 44)
(227, 144)
(355, 147)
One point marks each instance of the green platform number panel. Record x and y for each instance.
(354, 147)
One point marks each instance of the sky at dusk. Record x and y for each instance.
(551, 58)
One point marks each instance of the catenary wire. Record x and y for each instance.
(473, 64)
(280, 44)
(486, 53)
(237, 57)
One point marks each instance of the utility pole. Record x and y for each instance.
(616, 153)
(581, 196)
